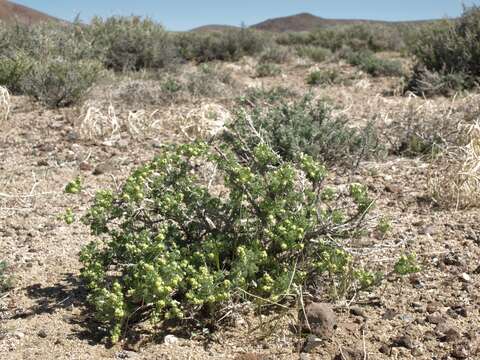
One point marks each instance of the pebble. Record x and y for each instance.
(311, 343)
(19, 335)
(403, 341)
(460, 352)
(320, 320)
(42, 333)
(170, 339)
(358, 311)
(102, 169)
(465, 278)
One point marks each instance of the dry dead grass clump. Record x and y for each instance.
(454, 179)
(187, 122)
(4, 104)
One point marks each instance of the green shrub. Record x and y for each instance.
(447, 55)
(275, 55)
(60, 82)
(302, 127)
(321, 77)
(314, 53)
(131, 43)
(228, 45)
(209, 81)
(13, 70)
(169, 246)
(267, 70)
(261, 96)
(373, 65)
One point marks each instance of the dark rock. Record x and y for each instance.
(433, 307)
(460, 352)
(447, 334)
(358, 311)
(84, 166)
(311, 342)
(435, 319)
(403, 341)
(385, 349)
(42, 162)
(320, 320)
(102, 169)
(351, 354)
(42, 333)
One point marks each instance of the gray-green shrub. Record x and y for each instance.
(60, 82)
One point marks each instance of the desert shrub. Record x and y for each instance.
(131, 43)
(321, 77)
(314, 53)
(267, 70)
(428, 83)
(209, 81)
(170, 246)
(228, 45)
(275, 55)
(293, 38)
(450, 49)
(305, 126)
(373, 37)
(367, 61)
(261, 96)
(13, 70)
(59, 82)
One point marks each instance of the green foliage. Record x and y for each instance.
(306, 127)
(373, 65)
(267, 70)
(374, 37)
(275, 55)
(58, 82)
(314, 53)
(68, 216)
(5, 278)
(261, 96)
(229, 45)
(131, 43)
(74, 186)
(384, 225)
(449, 49)
(407, 264)
(322, 77)
(13, 70)
(169, 246)
(209, 81)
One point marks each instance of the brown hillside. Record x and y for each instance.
(11, 12)
(304, 22)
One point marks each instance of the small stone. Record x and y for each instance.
(42, 333)
(465, 278)
(126, 354)
(403, 341)
(385, 349)
(170, 339)
(320, 320)
(451, 335)
(311, 343)
(84, 166)
(460, 352)
(432, 307)
(351, 354)
(435, 319)
(460, 310)
(358, 311)
(19, 335)
(102, 169)
(42, 162)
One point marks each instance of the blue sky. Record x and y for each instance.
(187, 14)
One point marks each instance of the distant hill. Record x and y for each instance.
(304, 22)
(11, 12)
(209, 28)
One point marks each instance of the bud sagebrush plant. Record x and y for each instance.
(170, 245)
